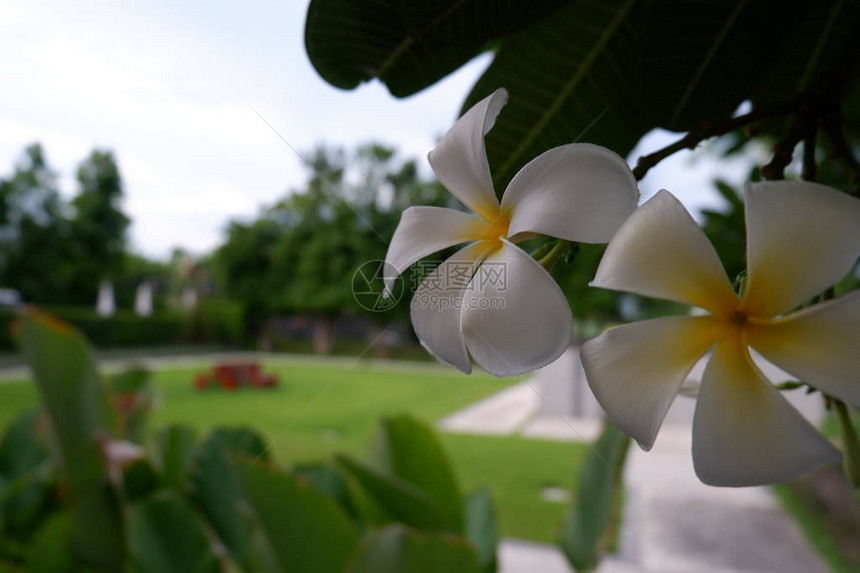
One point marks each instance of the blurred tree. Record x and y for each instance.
(243, 266)
(98, 227)
(33, 230)
(301, 254)
(56, 253)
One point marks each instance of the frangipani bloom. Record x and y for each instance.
(514, 319)
(801, 239)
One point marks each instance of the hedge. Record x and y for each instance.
(124, 328)
(215, 320)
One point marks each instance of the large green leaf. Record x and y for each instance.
(305, 530)
(408, 45)
(826, 39)
(700, 60)
(403, 501)
(217, 489)
(481, 529)
(570, 78)
(409, 450)
(166, 536)
(589, 526)
(396, 549)
(76, 402)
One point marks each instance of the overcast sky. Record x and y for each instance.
(172, 88)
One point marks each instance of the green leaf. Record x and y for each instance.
(175, 446)
(49, 550)
(71, 389)
(139, 479)
(570, 78)
(408, 45)
(824, 39)
(409, 450)
(589, 526)
(26, 502)
(403, 501)
(481, 528)
(329, 481)
(305, 530)
(166, 536)
(396, 549)
(21, 450)
(76, 402)
(699, 61)
(217, 489)
(132, 399)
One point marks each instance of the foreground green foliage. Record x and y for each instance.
(591, 524)
(78, 494)
(342, 422)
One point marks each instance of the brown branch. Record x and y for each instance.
(709, 130)
(783, 152)
(803, 128)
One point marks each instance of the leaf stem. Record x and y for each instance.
(548, 261)
(850, 442)
(713, 129)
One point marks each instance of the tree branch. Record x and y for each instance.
(709, 130)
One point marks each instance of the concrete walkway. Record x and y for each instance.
(673, 523)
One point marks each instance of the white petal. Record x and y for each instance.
(636, 370)
(423, 231)
(661, 252)
(579, 192)
(745, 432)
(460, 159)
(515, 318)
(801, 238)
(820, 345)
(436, 306)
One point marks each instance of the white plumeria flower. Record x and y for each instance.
(801, 238)
(520, 321)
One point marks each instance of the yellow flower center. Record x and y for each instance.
(739, 318)
(495, 229)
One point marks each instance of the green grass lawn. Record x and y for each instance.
(324, 407)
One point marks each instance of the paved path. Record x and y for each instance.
(673, 523)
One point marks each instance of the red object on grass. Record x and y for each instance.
(233, 375)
